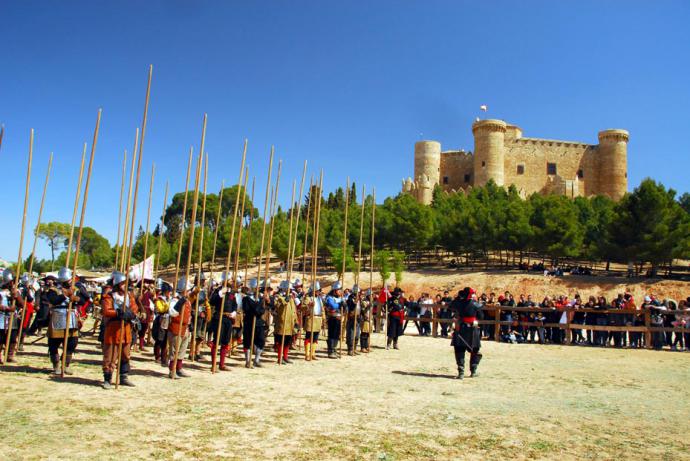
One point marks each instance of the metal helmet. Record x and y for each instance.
(297, 282)
(337, 286)
(224, 276)
(265, 283)
(118, 278)
(285, 285)
(160, 283)
(316, 286)
(368, 291)
(238, 280)
(7, 276)
(64, 275)
(183, 285)
(355, 288)
(133, 276)
(25, 279)
(253, 283)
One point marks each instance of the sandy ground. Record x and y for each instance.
(536, 402)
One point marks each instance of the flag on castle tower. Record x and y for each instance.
(483, 107)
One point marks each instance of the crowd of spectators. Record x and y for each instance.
(548, 326)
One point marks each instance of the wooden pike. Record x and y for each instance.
(292, 218)
(201, 258)
(299, 213)
(371, 265)
(160, 233)
(123, 258)
(146, 245)
(270, 235)
(229, 257)
(21, 244)
(261, 253)
(217, 224)
(77, 248)
(315, 252)
(310, 205)
(239, 232)
(76, 206)
(190, 246)
(359, 265)
(249, 230)
(33, 250)
(119, 210)
(344, 256)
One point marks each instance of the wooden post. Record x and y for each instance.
(497, 323)
(33, 250)
(8, 331)
(228, 258)
(119, 210)
(434, 322)
(76, 251)
(648, 325)
(76, 206)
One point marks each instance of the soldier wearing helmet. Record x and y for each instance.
(312, 308)
(159, 328)
(352, 326)
(60, 301)
(11, 305)
(254, 307)
(335, 304)
(365, 321)
(224, 308)
(43, 305)
(179, 334)
(200, 300)
(119, 309)
(285, 319)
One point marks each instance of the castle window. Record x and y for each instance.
(580, 173)
(483, 163)
(521, 169)
(467, 178)
(445, 180)
(551, 169)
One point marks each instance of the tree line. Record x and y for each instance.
(649, 225)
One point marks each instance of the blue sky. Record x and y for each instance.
(349, 86)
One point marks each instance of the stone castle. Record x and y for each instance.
(533, 165)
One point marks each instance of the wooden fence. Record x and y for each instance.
(647, 329)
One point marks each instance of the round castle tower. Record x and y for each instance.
(427, 169)
(613, 163)
(489, 139)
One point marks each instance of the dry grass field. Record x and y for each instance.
(530, 402)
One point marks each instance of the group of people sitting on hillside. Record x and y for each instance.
(548, 326)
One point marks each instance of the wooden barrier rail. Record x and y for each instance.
(568, 326)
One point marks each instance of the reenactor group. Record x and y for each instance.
(179, 321)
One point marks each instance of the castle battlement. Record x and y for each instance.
(541, 165)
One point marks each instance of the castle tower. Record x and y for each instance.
(489, 140)
(613, 163)
(427, 164)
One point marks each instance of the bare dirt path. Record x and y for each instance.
(530, 401)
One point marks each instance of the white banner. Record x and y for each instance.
(145, 267)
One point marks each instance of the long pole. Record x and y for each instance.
(248, 247)
(119, 210)
(217, 224)
(201, 256)
(359, 268)
(261, 252)
(160, 233)
(299, 213)
(8, 327)
(33, 250)
(184, 216)
(148, 222)
(292, 218)
(76, 250)
(310, 205)
(76, 206)
(125, 231)
(228, 258)
(239, 232)
(190, 246)
(344, 255)
(267, 281)
(315, 252)
(371, 265)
